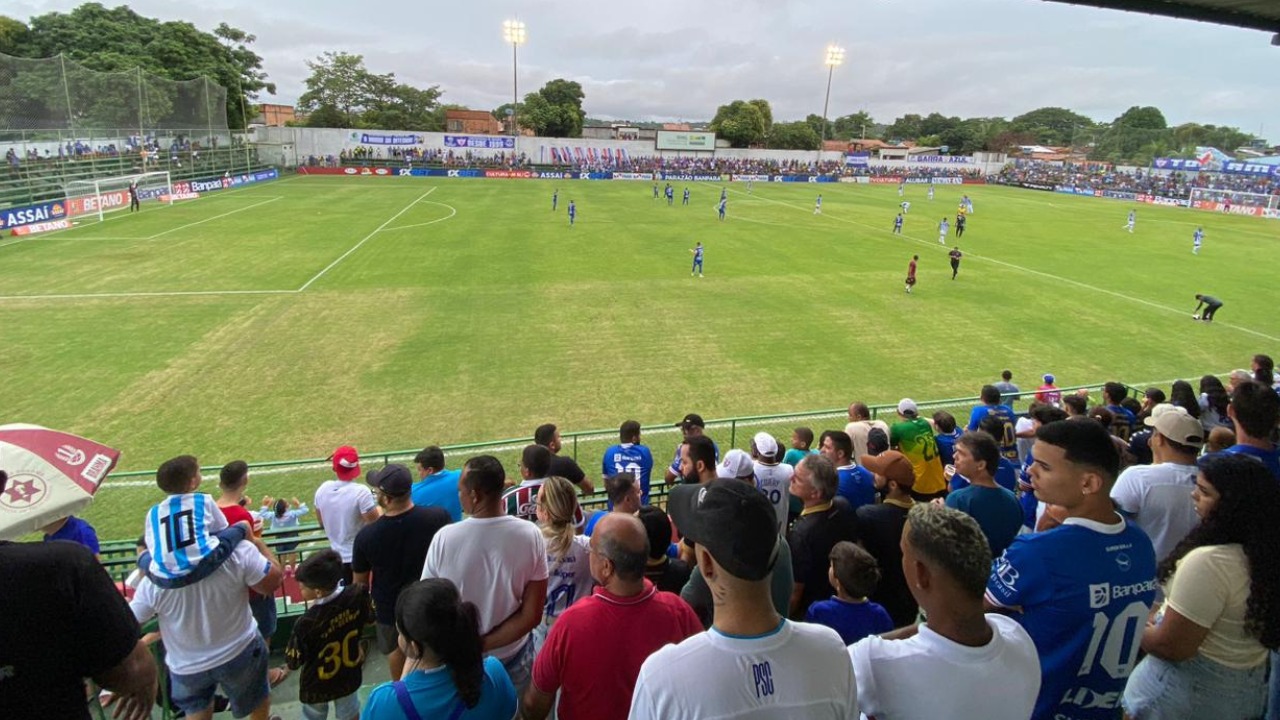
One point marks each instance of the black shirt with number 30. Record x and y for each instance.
(326, 644)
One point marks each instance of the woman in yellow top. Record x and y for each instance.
(1207, 648)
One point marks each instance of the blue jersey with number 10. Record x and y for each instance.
(632, 458)
(1085, 590)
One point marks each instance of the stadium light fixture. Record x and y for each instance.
(835, 56)
(513, 32)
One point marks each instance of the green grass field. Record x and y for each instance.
(280, 320)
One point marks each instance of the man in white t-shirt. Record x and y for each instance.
(1157, 497)
(498, 562)
(343, 507)
(210, 636)
(973, 665)
(772, 476)
(860, 424)
(752, 663)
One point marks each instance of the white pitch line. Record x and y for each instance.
(162, 293)
(366, 238)
(215, 217)
(454, 211)
(1030, 271)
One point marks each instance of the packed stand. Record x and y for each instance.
(1079, 559)
(1094, 176)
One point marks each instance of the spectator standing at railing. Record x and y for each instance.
(343, 507)
(629, 455)
(498, 562)
(393, 548)
(913, 436)
(437, 485)
(548, 436)
(860, 423)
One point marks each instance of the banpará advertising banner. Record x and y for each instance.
(480, 142)
(750, 178)
(693, 177)
(632, 176)
(679, 140)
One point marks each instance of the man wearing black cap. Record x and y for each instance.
(752, 661)
(394, 548)
(691, 426)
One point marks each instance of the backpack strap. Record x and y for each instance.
(406, 703)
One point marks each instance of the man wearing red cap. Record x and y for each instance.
(343, 507)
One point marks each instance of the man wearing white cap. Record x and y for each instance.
(1157, 497)
(914, 438)
(773, 477)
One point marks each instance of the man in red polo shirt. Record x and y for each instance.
(593, 653)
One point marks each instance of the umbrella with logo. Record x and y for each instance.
(51, 475)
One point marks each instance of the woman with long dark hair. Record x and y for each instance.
(1207, 648)
(446, 675)
(1184, 396)
(1213, 403)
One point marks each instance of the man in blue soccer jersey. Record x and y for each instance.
(697, 255)
(720, 207)
(629, 456)
(655, 191)
(1123, 418)
(897, 224)
(573, 213)
(817, 206)
(671, 195)
(685, 201)
(555, 199)
(991, 405)
(1082, 590)
(1196, 240)
(967, 204)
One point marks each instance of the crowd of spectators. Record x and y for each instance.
(1129, 564)
(1093, 176)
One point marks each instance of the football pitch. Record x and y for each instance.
(281, 320)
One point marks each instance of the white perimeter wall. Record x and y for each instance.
(289, 146)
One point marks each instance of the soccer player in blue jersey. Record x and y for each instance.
(573, 213)
(655, 191)
(897, 224)
(967, 204)
(724, 193)
(697, 254)
(671, 195)
(1133, 219)
(817, 206)
(720, 207)
(1196, 241)
(1082, 590)
(555, 199)
(685, 201)
(629, 456)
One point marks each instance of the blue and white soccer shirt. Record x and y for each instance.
(1084, 590)
(632, 458)
(179, 533)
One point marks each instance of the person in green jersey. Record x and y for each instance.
(913, 437)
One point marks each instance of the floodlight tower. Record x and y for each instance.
(835, 56)
(513, 32)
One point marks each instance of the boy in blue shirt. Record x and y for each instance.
(854, 574)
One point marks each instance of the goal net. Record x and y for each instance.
(1236, 202)
(95, 198)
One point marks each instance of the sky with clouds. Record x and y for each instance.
(672, 60)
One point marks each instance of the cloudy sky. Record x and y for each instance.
(672, 59)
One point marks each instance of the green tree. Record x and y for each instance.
(856, 125)
(357, 98)
(937, 123)
(1051, 125)
(794, 136)
(818, 125)
(327, 116)
(907, 127)
(13, 35)
(1144, 118)
(740, 122)
(555, 110)
(766, 112)
(120, 40)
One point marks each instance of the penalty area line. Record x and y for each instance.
(364, 240)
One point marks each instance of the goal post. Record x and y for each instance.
(99, 196)
(1236, 202)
